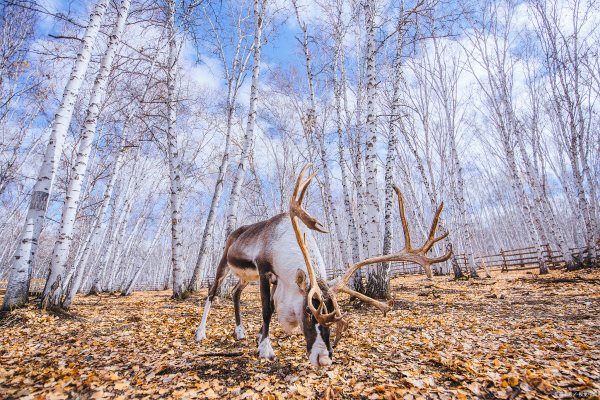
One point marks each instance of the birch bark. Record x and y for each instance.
(320, 133)
(497, 87)
(390, 160)
(132, 236)
(234, 79)
(564, 55)
(120, 207)
(159, 231)
(377, 279)
(179, 287)
(445, 86)
(115, 246)
(20, 275)
(354, 137)
(536, 176)
(95, 231)
(259, 12)
(56, 284)
(354, 233)
(337, 87)
(545, 214)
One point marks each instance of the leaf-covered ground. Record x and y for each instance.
(514, 336)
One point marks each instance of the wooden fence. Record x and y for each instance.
(524, 258)
(36, 286)
(505, 260)
(527, 258)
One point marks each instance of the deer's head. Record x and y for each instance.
(316, 333)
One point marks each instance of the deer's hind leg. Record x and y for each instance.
(240, 333)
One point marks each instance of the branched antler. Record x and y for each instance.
(322, 315)
(408, 253)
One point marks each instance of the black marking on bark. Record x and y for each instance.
(39, 200)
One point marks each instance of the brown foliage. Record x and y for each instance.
(516, 335)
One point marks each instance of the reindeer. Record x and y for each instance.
(277, 253)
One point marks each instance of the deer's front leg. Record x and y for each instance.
(265, 350)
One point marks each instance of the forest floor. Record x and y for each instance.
(517, 335)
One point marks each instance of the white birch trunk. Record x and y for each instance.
(56, 283)
(356, 156)
(116, 244)
(198, 274)
(312, 130)
(121, 257)
(234, 76)
(532, 221)
(339, 94)
(497, 90)
(174, 162)
(376, 283)
(99, 230)
(445, 87)
(109, 236)
(249, 135)
(352, 229)
(462, 209)
(20, 275)
(159, 231)
(388, 233)
(544, 214)
(97, 227)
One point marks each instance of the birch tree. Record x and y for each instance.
(96, 229)
(127, 290)
(311, 124)
(341, 124)
(497, 86)
(234, 71)
(20, 276)
(566, 48)
(179, 288)
(234, 198)
(390, 159)
(377, 277)
(446, 73)
(498, 120)
(56, 282)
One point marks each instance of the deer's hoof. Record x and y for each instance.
(200, 335)
(240, 333)
(265, 350)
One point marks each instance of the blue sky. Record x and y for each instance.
(281, 47)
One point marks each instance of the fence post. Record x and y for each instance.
(549, 256)
(521, 259)
(486, 269)
(504, 266)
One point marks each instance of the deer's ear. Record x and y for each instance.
(301, 280)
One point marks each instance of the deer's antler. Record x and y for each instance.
(322, 315)
(408, 253)
(340, 284)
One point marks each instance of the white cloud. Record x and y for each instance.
(207, 74)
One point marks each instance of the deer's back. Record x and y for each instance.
(270, 246)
